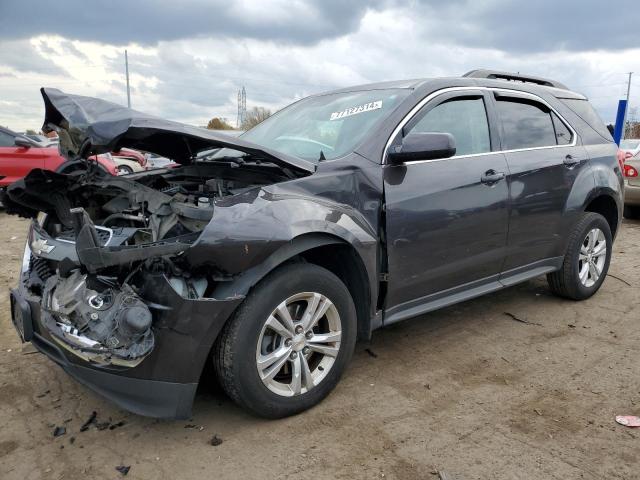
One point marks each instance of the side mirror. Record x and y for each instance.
(423, 146)
(23, 142)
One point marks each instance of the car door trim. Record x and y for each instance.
(437, 93)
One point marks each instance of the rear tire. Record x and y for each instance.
(632, 212)
(586, 262)
(260, 332)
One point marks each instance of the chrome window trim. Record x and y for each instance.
(437, 93)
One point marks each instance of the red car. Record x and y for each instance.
(19, 155)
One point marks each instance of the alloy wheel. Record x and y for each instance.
(298, 344)
(592, 257)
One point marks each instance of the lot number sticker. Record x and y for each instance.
(367, 107)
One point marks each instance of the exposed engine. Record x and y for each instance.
(101, 239)
(113, 325)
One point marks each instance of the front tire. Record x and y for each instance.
(586, 262)
(288, 344)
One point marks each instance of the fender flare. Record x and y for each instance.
(249, 278)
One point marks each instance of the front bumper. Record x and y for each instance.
(163, 385)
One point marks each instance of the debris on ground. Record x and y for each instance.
(620, 279)
(538, 411)
(59, 431)
(103, 425)
(371, 353)
(113, 426)
(194, 427)
(44, 394)
(90, 421)
(444, 475)
(521, 320)
(123, 469)
(72, 440)
(215, 441)
(628, 420)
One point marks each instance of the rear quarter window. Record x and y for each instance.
(585, 111)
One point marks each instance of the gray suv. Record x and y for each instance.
(270, 254)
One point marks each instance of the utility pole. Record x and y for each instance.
(624, 121)
(126, 68)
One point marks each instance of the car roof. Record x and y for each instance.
(444, 82)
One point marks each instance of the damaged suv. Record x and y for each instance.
(269, 255)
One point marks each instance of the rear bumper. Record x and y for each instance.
(163, 385)
(631, 194)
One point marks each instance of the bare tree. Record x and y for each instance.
(254, 117)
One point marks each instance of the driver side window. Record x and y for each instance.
(465, 119)
(6, 140)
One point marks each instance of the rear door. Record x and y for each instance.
(446, 219)
(16, 162)
(544, 160)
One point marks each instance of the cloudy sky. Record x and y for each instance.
(188, 58)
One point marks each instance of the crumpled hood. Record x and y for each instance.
(89, 126)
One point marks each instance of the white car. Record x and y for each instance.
(631, 147)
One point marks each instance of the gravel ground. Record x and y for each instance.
(468, 390)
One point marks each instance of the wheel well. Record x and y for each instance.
(344, 262)
(607, 207)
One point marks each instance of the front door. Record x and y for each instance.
(446, 219)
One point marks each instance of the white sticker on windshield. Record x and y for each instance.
(355, 110)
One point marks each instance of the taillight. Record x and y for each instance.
(621, 156)
(630, 171)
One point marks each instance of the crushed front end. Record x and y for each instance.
(117, 284)
(107, 291)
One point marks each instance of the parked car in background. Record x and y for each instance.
(129, 161)
(41, 139)
(155, 161)
(20, 154)
(631, 145)
(631, 150)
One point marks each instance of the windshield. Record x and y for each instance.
(630, 144)
(327, 126)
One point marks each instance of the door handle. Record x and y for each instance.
(570, 162)
(491, 176)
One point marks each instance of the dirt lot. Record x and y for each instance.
(468, 390)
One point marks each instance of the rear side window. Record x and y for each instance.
(585, 111)
(6, 140)
(525, 124)
(465, 119)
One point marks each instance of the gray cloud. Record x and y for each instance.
(533, 26)
(507, 25)
(21, 56)
(119, 22)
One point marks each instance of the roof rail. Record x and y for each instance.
(514, 77)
